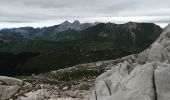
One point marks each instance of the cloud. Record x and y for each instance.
(49, 12)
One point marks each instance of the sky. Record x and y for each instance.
(40, 13)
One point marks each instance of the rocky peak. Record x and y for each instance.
(76, 22)
(19, 30)
(167, 29)
(65, 22)
(168, 26)
(111, 25)
(76, 25)
(131, 25)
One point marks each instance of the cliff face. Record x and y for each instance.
(147, 77)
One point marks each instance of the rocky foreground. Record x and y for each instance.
(15, 89)
(146, 78)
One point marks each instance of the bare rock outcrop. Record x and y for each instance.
(9, 87)
(162, 82)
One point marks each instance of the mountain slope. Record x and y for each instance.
(100, 36)
(98, 42)
(146, 78)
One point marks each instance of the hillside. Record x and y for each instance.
(69, 47)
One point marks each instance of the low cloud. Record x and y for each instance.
(15, 13)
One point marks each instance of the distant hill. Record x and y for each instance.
(46, 32)
(69, 44)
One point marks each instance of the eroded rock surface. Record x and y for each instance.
(9, 87)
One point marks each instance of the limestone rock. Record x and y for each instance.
(138, 85)
(93, 96)
(157, 53)
(102, 90)
(7, 92)
(9, 87)
(162, 82)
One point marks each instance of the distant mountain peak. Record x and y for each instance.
(76, 25)
(65, 22)
(76, 22)
(167, 27)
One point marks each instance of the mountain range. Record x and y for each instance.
(48, 32)
(29, 50)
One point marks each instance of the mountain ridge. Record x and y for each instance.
(51, 31)
(30, 32)
(103, 41)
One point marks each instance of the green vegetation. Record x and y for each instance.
(75, 74)
(100, 42)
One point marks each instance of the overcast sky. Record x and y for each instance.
(38, 13)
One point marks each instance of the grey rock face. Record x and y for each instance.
(76, 25)
(7, 92)
(122, 85)
(147, 78)
(162, 82)
(9, 87)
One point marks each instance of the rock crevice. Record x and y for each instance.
(154, 85)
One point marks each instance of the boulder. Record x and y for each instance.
(7, 92)
(157, 53)
(9, 87)
(122, 85)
